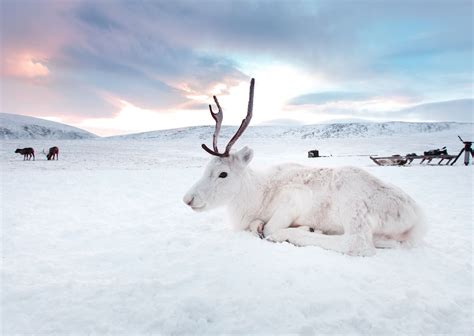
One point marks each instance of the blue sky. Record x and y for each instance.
(127, 66)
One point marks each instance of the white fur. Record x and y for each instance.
(349, 210)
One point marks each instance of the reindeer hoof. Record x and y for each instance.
(257, 228)
(260, 230)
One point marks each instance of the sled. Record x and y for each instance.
(394, 160)
(401, 160)
(440, 154)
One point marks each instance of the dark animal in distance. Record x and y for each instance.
(52, 153)
(27, 153)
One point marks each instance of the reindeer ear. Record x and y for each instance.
(244, 155)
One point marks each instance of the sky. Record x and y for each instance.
(117, 67)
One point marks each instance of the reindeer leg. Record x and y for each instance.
(352, 244)
(305, 238)
(280, 220)
(308, 228)
(256, 227)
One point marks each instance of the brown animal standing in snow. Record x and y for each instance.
(52, 153)
(27, 153)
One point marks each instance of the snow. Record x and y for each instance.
(13, 126)
(100, 242)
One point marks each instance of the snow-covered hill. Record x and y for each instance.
(319, 131)
(14, 126)
(24, 127)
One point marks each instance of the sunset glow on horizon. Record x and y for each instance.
(123, 67)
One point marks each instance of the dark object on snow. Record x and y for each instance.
(428, 156)
(394, 160)
(52, 153)
(313, 153)
(442, 151)
(467, 150)
(27, 153)
(398, 160)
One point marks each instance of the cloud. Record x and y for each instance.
(326, 97)
(461, 110)
(281, 122)
(93, 16)
(70, 101)
(110, 52)
(87, 56)
(23, 66)
(142, 44)
(347, 41)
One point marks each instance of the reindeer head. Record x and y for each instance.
(222, 178)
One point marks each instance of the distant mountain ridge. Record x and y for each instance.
(13, 126)
(317, 131)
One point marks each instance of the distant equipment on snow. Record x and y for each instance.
(432, 152)
(313, 153)
(428, 156)
(467, 150)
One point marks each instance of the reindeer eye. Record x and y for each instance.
(223, 175)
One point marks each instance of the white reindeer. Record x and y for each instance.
(342, 209)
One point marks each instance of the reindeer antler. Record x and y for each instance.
(218, 118)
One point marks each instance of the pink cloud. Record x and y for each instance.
(23, 66)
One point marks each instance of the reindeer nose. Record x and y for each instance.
(188, 200)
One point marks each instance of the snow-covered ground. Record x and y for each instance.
(100, 242)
